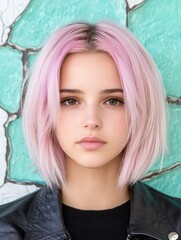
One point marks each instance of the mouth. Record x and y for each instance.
(91, 143)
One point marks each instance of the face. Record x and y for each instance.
(91, 125)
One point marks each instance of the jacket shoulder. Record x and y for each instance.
(14, 216)
(12, 207)
(160, 213)
(153, 194)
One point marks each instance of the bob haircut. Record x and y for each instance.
(145, 99)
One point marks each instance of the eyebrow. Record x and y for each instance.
(111, 90)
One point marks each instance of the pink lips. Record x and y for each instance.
(91, 143)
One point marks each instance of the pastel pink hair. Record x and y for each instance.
(145, 99)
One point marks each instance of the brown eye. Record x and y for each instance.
(69, 102)
(114, 101)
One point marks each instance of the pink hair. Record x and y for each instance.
(145, 99)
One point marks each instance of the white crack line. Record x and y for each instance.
(134, 3)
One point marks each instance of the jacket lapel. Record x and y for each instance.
(45, 218)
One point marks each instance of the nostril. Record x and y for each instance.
(91, 125)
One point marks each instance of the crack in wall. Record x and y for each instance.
(174, 100)
(132, 4)
(27, 183)
(26, 68)
(8, 147)
(160, 172)
(10, 117)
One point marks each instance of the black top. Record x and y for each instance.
(110, 224)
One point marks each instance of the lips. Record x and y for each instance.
(91, 143)
(91, 139)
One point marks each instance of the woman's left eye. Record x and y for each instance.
(114, 101)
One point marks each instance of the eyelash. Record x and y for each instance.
(65, 101)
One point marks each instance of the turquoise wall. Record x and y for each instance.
(156, 23)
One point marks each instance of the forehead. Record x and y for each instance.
(85, 68)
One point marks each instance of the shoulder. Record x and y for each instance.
(151, 195)
(22, 204)
(29, 216)
(154, 211)
(14, 216)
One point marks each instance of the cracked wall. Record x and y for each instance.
(24, 26)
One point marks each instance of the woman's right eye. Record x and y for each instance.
(69, 102)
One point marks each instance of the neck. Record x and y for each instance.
(93, 189)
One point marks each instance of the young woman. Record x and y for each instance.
(95, 121)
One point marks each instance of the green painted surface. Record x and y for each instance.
(157, 24)
(168, 183)
(42, 17)
(10, 78)
(21, 167)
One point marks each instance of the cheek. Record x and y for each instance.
(63, 120)
(65, 124)
(118, 121)
(118, 126)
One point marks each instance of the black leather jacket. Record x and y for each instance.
(38, 216)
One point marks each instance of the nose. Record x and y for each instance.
(92, 119)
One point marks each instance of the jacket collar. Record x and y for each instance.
(150, 213)
(45, 219)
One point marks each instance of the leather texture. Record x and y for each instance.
(38, 216)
